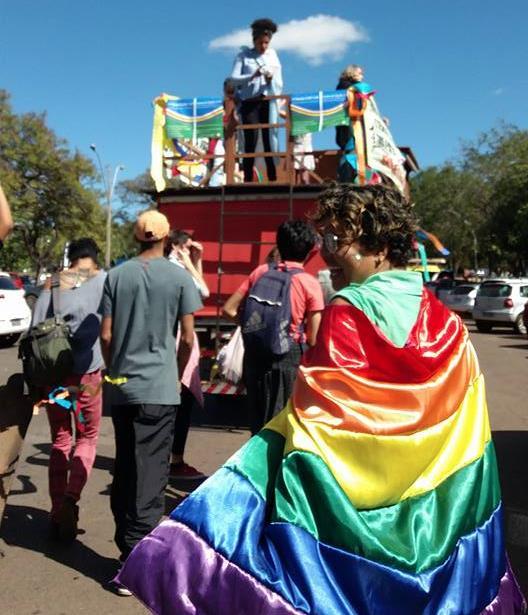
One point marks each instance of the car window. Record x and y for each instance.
(524, 291)
(462, 290)
(495, 290)
(6, 283)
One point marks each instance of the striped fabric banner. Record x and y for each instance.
(374, 491)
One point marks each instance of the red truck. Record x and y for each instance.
(237, 222)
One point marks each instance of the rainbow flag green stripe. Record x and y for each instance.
(400, 536)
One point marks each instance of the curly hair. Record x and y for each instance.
(263, 26)
(376, 216)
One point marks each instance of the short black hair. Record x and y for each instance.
(295, 240)
(263, 26)
(83, 248)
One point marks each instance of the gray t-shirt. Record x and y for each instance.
(81, 309)
(146, 298)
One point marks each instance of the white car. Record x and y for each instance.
(462, 298)
(15, 315)
(501, 302)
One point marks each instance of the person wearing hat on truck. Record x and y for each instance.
(145, 301)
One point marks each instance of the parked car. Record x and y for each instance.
(17, 279)
(501, 302)
(15, 315)
(441, 287)
(461, 299)
(32, 292)
(525, 316)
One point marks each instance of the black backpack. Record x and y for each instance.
(45, 350)
(266, 317)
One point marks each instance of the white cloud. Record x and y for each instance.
(316, 39)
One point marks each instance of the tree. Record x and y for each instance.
(48, 188)
(482, 198)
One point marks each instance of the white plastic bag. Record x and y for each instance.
(231, 357)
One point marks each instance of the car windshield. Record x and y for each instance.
(495, 290)
(6, 283)
(462, 290)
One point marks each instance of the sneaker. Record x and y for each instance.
(183, 471)
(67, 520)
(121, 590)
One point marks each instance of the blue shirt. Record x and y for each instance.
(81, 309)
(247, 62)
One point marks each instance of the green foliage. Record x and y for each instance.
(480, 201)
(48, 189)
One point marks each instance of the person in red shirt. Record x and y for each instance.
(269, 379)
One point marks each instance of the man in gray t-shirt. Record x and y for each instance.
(144, 302)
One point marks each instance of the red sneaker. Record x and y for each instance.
(183, 471)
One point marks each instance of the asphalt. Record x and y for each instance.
(39, 578)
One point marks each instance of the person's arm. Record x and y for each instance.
(106, 322)
(6, 220)
(239, 78)
(195, 273)
(313, 320)
(106, 339)
(186, 341)
(230, 307)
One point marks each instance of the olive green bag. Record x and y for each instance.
(45, 350)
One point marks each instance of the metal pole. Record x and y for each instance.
(109, 192)
(109, 217)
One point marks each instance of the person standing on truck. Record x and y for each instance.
(268, 376)
(145, 301)
(257, 73)
(184, 252)
(351, 75)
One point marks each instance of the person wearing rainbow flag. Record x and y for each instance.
(375, 490)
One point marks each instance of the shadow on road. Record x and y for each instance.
(44, 449)
(27, 527)
(516, 346)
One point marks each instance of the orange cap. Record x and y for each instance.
(151, 226)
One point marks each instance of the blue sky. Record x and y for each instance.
(444, 71)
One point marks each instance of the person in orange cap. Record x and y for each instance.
(145, 300)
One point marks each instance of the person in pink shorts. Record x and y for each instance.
(71, 461)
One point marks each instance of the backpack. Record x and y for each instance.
(45, 350)
(266, 317)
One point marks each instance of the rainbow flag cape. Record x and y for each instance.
(374, 491)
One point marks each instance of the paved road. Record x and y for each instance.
(39, 578)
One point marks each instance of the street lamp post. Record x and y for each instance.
(109, 192)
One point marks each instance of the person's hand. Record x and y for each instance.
(196, 250)
(185, 258)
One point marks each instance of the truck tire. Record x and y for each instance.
(483, 327)
(519, 325)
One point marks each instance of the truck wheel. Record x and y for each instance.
(519, 325)
(483, 327)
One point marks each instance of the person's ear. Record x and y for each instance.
(381, 257)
